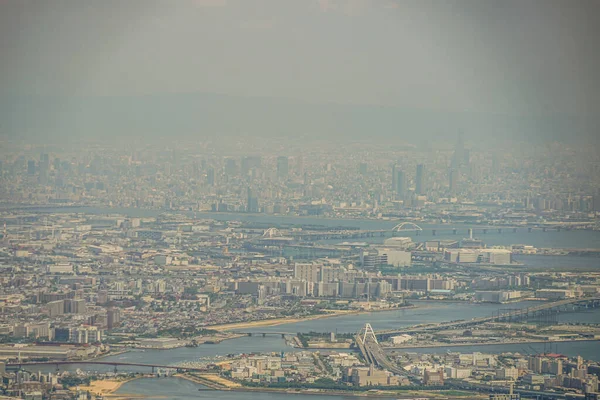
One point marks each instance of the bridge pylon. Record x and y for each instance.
(367, 334)
(272, 233)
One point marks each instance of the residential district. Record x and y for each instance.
(119, 250)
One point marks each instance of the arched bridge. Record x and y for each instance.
(406, 227)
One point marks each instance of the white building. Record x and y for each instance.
(486, 256)
(508, 373)
(497, 296)
(403, 243)
(62, 268)
(554, 294)
(400, 339)
(386, 256)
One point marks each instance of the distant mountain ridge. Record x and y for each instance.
(205, 115)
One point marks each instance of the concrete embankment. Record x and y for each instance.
(212, 381)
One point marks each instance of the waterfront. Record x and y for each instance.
(182, 389)
(590, 350)
(426, 312)
(537, 238)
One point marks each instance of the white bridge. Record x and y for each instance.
(406, 227)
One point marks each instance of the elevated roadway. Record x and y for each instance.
(111, 363)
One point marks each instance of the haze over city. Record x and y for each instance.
(341, 68)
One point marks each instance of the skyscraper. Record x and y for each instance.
(283, 167)
(252, 202)
(230, 167)
(399, 182)
(453, 178)
(420, 179)
(210, 176)
(250, 162)
(459, 152)
(363, 168)
(31, 167)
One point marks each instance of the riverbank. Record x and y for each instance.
(104, 387)
(283, 321)
(212, 381)
(110, 354)
(377, 394)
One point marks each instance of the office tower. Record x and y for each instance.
(250, 162)
(459, 152)
(210, 176)
(299, 165)
(399, 182)
(230, 167)
(283, 167)
(31, 167)
(495, 163)
(252, 202)
(363, 168)
(113, 317)
(453, 180)
(420, 179)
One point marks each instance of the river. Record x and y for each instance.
(537, 238)
(426, 312)
(182, 389)
(173, 388)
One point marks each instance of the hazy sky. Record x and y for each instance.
(503, 56)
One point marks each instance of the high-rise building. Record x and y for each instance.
(299, 165)
(363, 168)
(466, 157)
(453, 178)
(75, 306)
(252, 202)
(31, 167)
(230, 167)
(307, 272)
(459, 152)
(420, 179)
(250, 162)
(56, 307)
(283, 167)
(113, 317)
(210, 176)
(399, 182)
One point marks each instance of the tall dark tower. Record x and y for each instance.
(210, 176)
(459, 152)
(400, 182)
(453, 179)
(420, 180)
(283, 167)
(252, 204)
